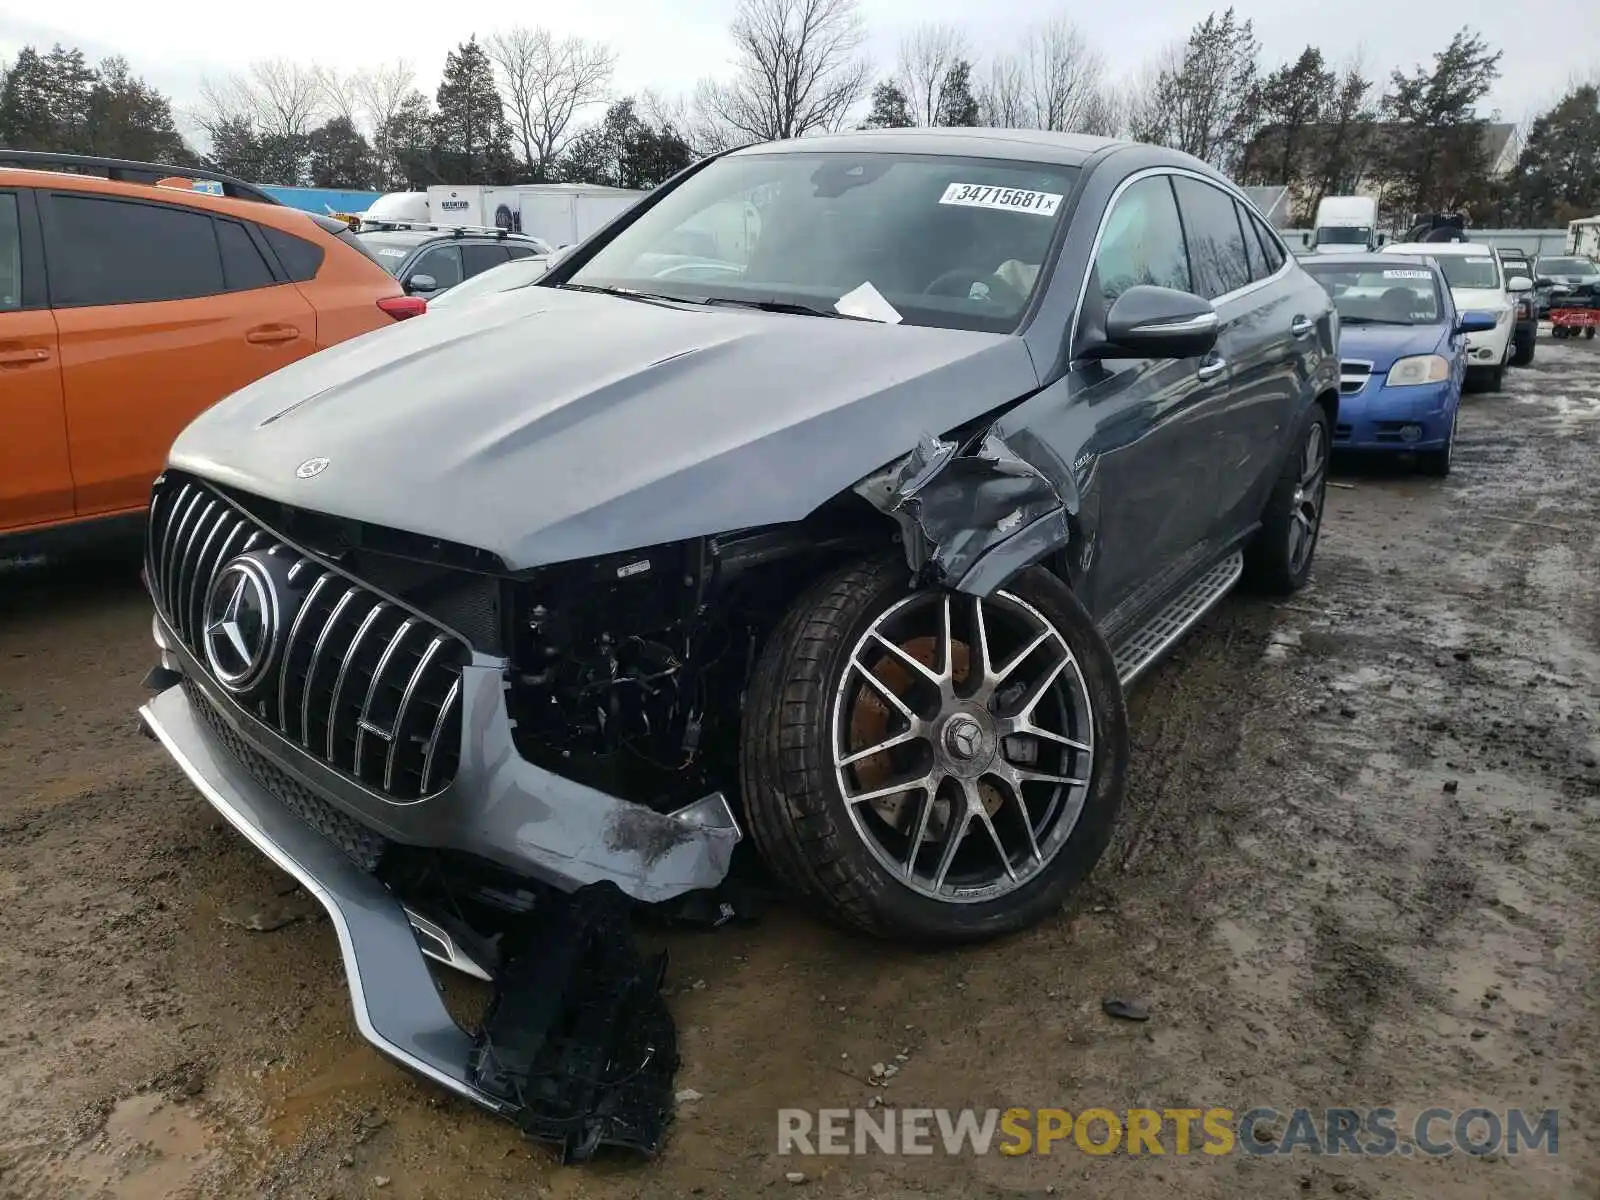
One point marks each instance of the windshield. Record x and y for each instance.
(957, 243)
(1405, 295)
(1343, 235)
(517, 273)
(1567, 266)
(389, 251)
(1470, 270)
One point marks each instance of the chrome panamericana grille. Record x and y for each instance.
(367, 686)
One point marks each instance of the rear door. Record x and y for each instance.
(478, 257)
(1262, 331)
(35, 472)
(162, 310)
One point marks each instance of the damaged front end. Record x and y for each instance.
(971, 510)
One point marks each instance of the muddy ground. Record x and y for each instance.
(1360, 866)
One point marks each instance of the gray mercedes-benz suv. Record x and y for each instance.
(846, 537)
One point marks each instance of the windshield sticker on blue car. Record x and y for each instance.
(1475, 259)
(977, 195)
(391, 252)
(1406, 275)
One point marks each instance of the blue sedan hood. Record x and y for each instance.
(1383, 344)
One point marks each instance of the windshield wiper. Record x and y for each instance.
(784, 306)
(625, 293)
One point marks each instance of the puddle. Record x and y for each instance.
(150, 1149)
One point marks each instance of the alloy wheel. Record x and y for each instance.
(1309, 492)
(963, 743)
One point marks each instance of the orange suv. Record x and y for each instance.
(130, 300)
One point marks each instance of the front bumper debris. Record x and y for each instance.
(578, 1047)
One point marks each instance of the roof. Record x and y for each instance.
(1434, 249)
(417, 237)
(1039, 145)
(1374, 258)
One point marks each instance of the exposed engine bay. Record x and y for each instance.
(628, 672)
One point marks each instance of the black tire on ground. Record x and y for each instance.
(1437, 462)
(1523, 354)
(1270, 562)
(1589, 333)
(796, 811)
(1487, 379)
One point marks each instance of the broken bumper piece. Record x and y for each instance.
(578, 1048)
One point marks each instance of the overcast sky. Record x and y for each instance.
(667, 44)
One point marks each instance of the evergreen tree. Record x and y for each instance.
(957, 104)
(1558, 173)
(890, 108)
(27, 119)
(472, 143)
(1436, 160)
(340, 157)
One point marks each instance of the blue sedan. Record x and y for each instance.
(1402, 351)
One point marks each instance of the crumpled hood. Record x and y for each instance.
(547, 425)
(1381, 345)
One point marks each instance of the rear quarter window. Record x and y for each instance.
(301, 259)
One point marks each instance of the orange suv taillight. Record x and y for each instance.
(401, 307)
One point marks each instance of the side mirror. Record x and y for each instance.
(421, 285)
(1519, 283)
(1544, 281)
(1475, 322)
(1158, 322)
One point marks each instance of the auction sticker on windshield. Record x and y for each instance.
(1406, 275)
(1475, 259)
(978, 195)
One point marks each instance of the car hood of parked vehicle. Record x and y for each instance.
(555, 425)
(1383, 345)
(1490, 300)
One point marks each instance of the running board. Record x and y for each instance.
(1151, 640)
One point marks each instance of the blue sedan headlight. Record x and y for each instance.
(1421, 368)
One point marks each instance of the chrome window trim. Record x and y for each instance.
(1226, 189)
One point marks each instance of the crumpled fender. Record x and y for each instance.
(973, 514)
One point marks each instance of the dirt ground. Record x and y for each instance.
(1360, 866)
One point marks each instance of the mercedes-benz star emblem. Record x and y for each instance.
(241, 628)
(311, 466)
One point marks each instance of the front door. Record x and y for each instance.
(162, 311)
(35, 472)
(1140, 422)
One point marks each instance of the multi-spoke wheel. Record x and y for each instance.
(929, 765)
(1278, 558)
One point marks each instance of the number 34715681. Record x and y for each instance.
(976, 195)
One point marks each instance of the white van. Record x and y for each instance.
(1345, 224)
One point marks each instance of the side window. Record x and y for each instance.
(243, 268)
(1252, 244)
(1216, 243)
(442, 262)
(128, 252)
(300, 258)
(519, 251)
(480, 258)
(1271, 248)
(10, 254)
(1142, 242)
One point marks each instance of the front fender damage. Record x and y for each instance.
(971, 514)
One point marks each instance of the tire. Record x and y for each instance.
(828, 851)
(1523, 354)
(1589, 333)
(1494, 379)
(1274, 564)
(1437, 462)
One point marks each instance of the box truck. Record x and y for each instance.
(1345, 224)
(560, 213)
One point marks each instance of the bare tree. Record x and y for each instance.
(280, 97)
(546, 83)
(1145, 117)
(381, 93)
(1064, 76)
(693, 117)
(1003, 96)
(799, 69)
(341, 95)
(926, 57)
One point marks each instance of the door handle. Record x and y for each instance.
(262, 334)
(1211, 368)
(1301, 326)
(21, 358)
